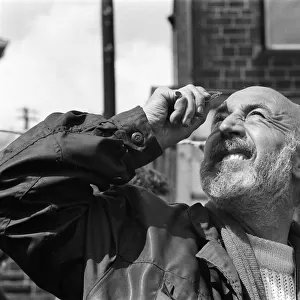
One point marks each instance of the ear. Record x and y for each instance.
(296, 164)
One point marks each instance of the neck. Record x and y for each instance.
(268, 230)
(270, 223)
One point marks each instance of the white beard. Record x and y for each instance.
(232, 180)
(249, 188)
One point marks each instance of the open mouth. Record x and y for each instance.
(234, 154)
(230, 150)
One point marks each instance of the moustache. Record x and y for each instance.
(233, 145)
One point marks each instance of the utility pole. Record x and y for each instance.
(108, 58)
(27, 117)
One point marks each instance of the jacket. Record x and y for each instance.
(120, 243)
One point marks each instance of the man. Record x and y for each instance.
(126, 243)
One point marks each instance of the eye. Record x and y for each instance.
(218, 118)
(216, 121)
(256, 113)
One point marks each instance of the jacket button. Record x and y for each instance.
(137, 138)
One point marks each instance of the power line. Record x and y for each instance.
(26, 117)
(11, 131)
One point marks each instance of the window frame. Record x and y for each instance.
(268, 43)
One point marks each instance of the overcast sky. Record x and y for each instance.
(54, 60)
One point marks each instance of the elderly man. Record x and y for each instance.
(125, 242)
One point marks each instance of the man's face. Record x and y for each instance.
(245, 151)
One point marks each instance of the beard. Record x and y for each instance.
(249, 188)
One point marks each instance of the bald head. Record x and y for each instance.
(264, 93)
(251, 164)
(260, 115)
(280, 104)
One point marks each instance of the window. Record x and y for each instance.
(282, 24)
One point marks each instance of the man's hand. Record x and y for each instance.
(175, 114)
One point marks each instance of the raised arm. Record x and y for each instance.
(45, 178)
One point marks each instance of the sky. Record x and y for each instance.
(54, 58)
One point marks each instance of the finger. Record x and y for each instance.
(202, 111)
(199, 95)
(196, 122)
(176, 95)
(196, 103)
(179, 110)
(191, 106)
(201, 100)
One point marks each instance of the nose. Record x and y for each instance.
(233, 125)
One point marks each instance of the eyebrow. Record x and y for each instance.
(245, 107)
(248, 107)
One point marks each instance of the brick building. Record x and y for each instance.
(227, 45)
(221, 44)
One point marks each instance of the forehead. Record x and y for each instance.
(261, 96)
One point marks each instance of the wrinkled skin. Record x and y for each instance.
(240, 115)
(254, 123)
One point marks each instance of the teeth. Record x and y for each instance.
(235, 156)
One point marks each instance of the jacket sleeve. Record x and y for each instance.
(45, 187)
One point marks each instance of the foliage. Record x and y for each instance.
(152, 180)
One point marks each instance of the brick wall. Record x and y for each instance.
(219, 44)
(228, 48)
(16, 285)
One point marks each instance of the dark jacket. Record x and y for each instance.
(122, 243)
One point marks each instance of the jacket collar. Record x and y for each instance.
(213, 252)
(294, 239)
